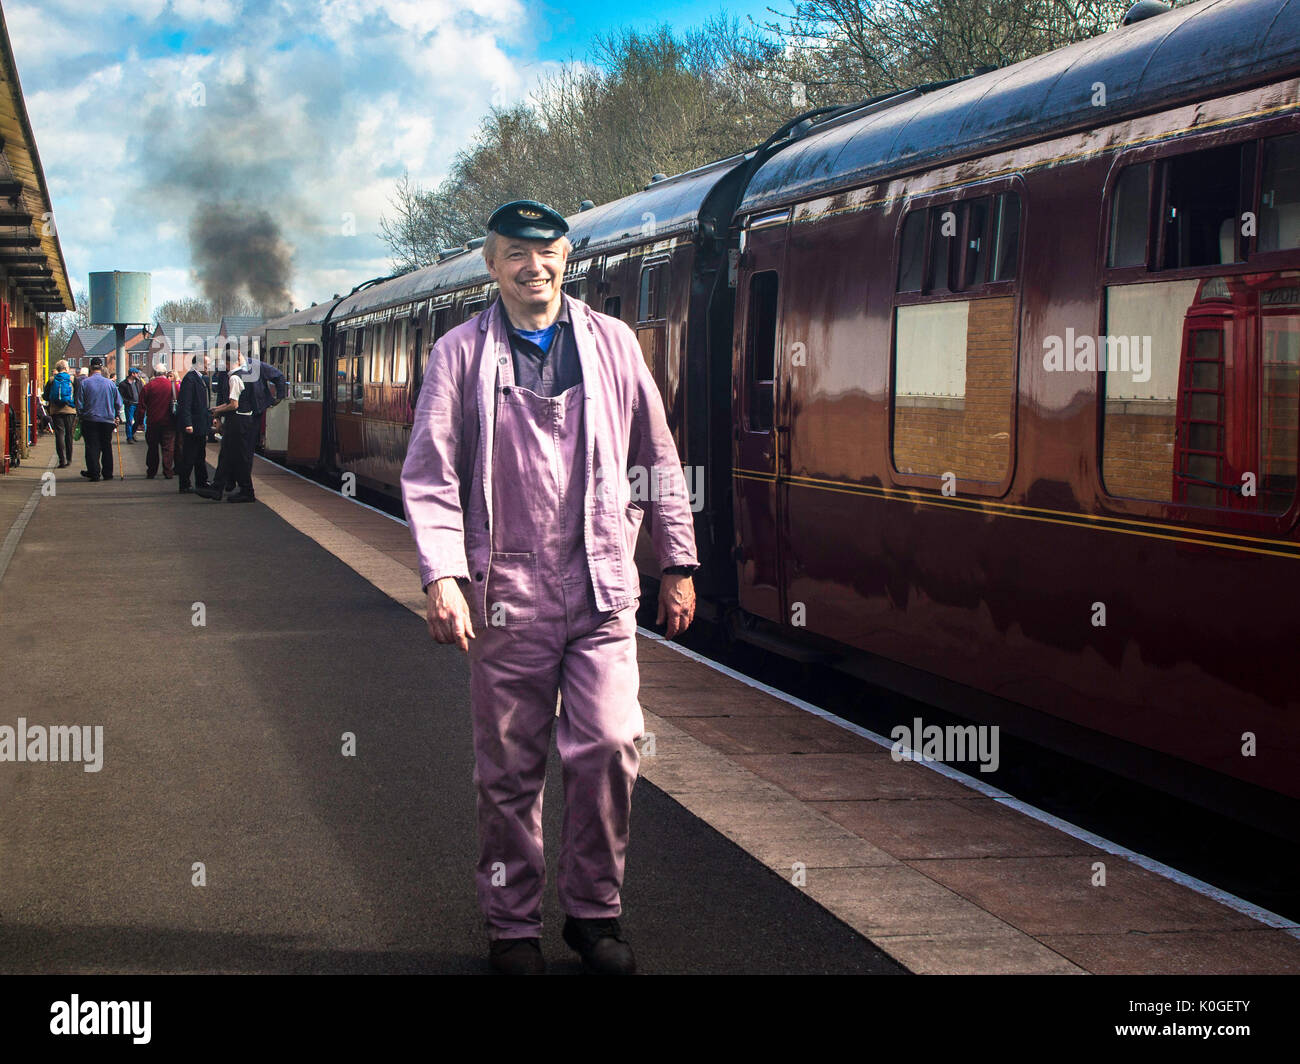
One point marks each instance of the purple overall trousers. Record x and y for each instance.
(542, 637)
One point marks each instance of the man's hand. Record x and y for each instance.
(189, 428)
(676, 603)
(448, 613)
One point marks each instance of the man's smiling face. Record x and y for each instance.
(530, 272)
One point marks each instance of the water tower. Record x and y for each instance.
(119, 299)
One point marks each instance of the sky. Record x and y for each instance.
(160, 120)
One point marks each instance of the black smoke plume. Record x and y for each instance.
(239, 250)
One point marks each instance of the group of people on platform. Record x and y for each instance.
(178, 420)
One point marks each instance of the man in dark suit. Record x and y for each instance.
(194, 423)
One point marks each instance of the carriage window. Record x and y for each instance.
(1005, 235)
(761, 348)
(357, 376)
(943, 230)
(1202, 203)
(417, 365)
(975, 243)
(1279, 207)
(650, 305)
(474, 307)
(954, 373)
(342, 370)
(401, 353)
(614, 306)
(970, 243)
(911, 259)
(955, 339)
(1202, 391)
(378, 335)
(441, 320)
(1130, 215)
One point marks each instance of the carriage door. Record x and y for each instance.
(756, 402)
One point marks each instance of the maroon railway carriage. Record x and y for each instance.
(1016, 392)
(991, 390)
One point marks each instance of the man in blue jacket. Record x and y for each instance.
(100, 405)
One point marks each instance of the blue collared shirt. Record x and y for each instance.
(553, 371)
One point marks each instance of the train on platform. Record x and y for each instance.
(992, 388)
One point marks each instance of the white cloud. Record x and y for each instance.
(309, 111)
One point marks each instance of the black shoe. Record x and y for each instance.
(86, 473)
(240, 496)
(600, 945)
(208, 493)
(185, 490)
(150, 476)
(517, 956)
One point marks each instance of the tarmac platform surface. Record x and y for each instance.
(223, 744)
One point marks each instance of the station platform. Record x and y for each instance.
(766, 837)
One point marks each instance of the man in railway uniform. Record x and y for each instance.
(516, 489)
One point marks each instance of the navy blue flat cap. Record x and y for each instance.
(528, 220)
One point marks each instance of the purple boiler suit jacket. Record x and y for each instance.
(448, 465)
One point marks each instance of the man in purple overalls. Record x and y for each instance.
(516, 487)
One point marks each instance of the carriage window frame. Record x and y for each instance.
(401, 346)
(358, 373)
(652, 297)
(311, 356)
(760, 391)
(378, 351)
(344, 359)
(958, 288)
(1249, 257)
(956, 282)
(1249, 260)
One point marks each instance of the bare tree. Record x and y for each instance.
(193, 309)
(62, 326)
(858, 48)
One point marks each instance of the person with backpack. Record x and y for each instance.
(159, 398)
(61, 399)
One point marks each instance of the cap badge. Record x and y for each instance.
(528, 212)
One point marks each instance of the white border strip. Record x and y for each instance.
(1246, 908)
